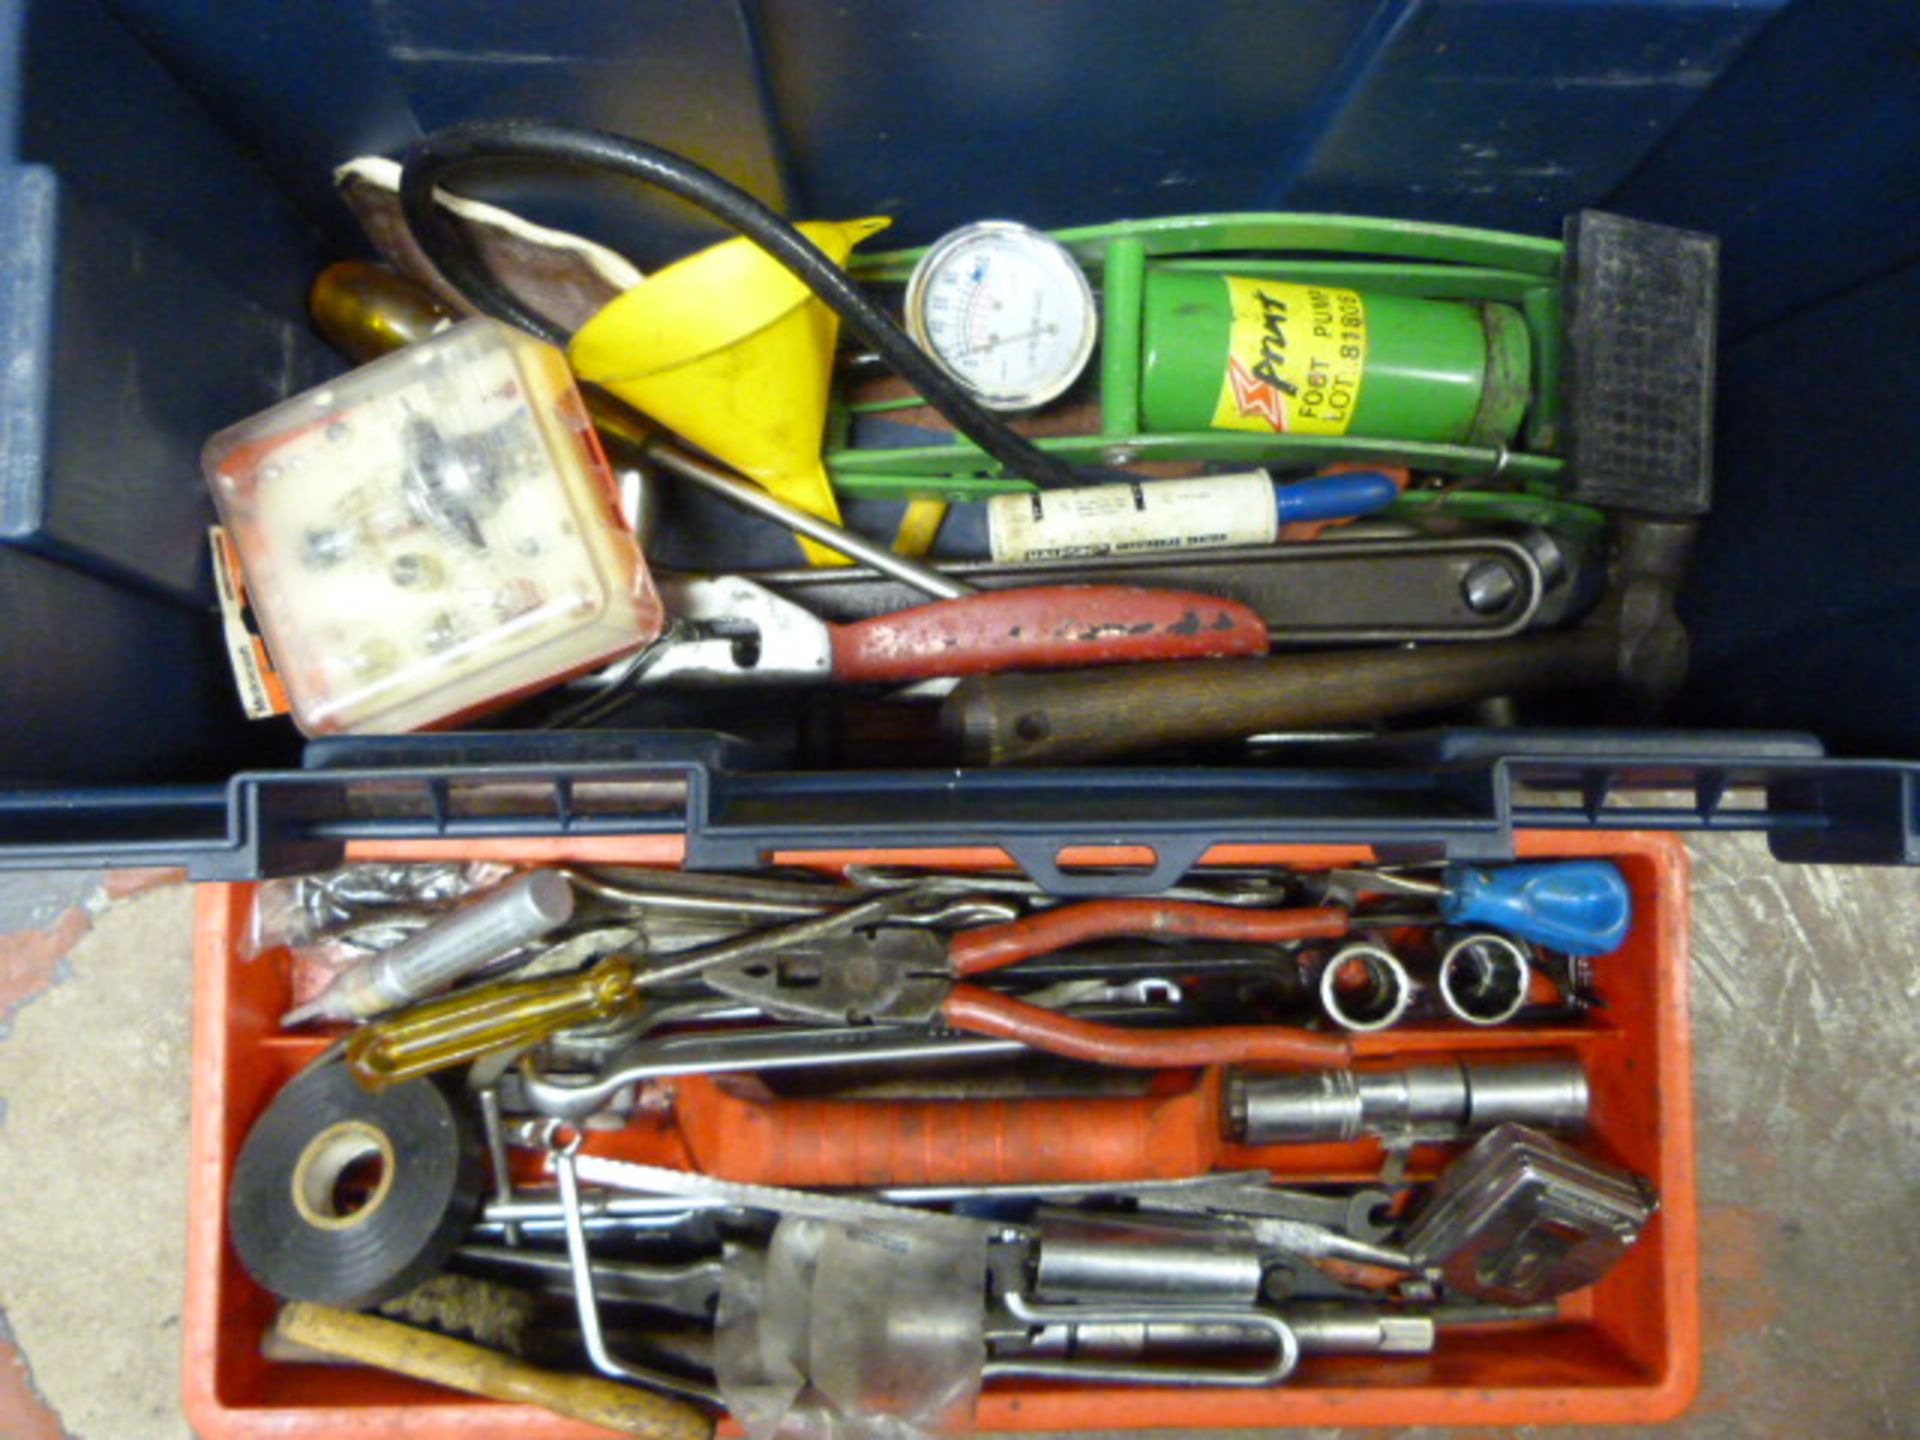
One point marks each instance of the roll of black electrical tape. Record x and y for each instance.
(349, 1198)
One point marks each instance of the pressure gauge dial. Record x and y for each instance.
(1006, 311)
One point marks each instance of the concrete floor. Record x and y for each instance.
(1807, 1045)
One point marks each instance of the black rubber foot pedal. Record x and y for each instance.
(1641, 304)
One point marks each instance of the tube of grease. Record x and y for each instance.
(1152, 516)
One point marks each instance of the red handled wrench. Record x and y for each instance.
(728, 629)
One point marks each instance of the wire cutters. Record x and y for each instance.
(905, 977)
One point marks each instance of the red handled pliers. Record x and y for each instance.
(899, 976)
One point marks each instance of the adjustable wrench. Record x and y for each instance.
(727, 629)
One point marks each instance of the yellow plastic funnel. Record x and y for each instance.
(730, 350)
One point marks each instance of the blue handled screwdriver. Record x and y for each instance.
(1578, 907)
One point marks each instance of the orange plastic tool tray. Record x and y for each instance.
(1626, 1350)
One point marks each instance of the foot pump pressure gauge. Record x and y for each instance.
(1006, 310)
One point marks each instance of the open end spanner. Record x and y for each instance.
(808, 1204)
(782, 1048)
(1251, 1193)
(1332, 592)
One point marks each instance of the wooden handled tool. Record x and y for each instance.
(439, 1360)
(1634, 644)
(1078, 716)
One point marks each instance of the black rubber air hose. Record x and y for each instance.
(430, 158)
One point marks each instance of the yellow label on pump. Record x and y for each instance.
(1295, 358)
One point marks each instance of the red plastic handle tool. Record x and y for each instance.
(983, 1012)
(1043, 627)
(973, 952)
(807, 1141)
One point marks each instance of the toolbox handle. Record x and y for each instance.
(1040, 858)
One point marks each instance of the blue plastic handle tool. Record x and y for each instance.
(1580, 907)
(1335, 497)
